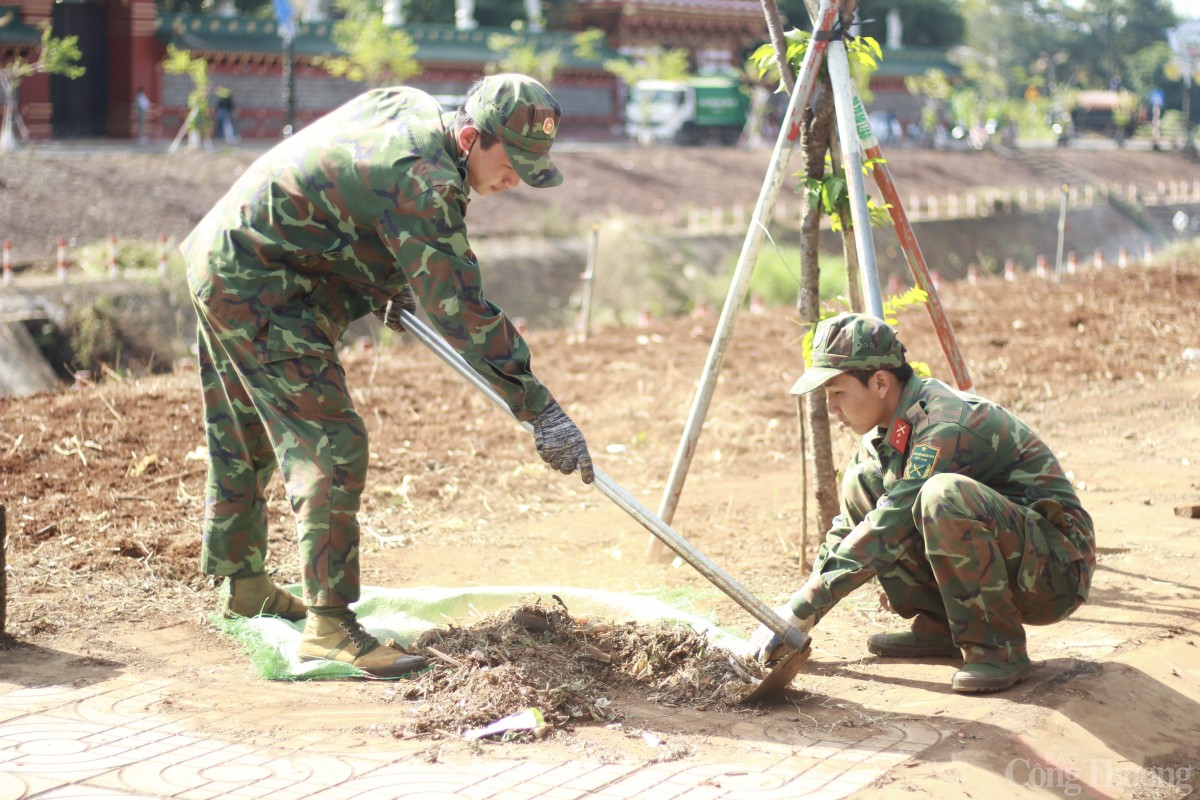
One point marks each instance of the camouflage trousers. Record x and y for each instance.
(267, 408)
(977, 562)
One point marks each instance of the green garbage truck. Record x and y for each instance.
(702, 110)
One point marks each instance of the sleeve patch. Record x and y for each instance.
(922, 461)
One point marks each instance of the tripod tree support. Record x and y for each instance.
(785, 144)
(852, 121)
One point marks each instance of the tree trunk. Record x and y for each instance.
(775, 31)
(817, 136)
(816, 131)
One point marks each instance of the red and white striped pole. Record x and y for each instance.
(162, 254)
(1042, 269)
(1098, 259)
(972, 274)
(113, 271)
(62, 259)
(1072, 263)
(1123, 257)
(8, 262)
(1010, 270)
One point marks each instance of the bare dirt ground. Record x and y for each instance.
(103, 508)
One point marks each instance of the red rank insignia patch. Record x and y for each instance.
(899, 437)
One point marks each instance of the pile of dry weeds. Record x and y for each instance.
(537, 655)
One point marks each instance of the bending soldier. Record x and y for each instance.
(363, 211)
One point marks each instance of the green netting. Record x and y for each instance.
(271, 643)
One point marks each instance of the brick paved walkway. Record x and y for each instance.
(107, 740)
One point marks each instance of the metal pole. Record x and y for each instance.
(589, 278)
(289, 86)
(843, 103)
(1062, 231)
(792, 637)
(789, 134)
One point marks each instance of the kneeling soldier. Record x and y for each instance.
(962, 512)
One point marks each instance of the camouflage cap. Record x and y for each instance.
(523, 115)
(847, 342)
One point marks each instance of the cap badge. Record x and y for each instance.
(548, 126)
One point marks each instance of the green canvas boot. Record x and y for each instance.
(258, 596)
(927, 638)
(341, 637)
(991, 676)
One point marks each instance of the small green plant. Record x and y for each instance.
(133, 257)
(94, 335)
(656, 64)
(55, 57)
(898, 302)
(181, 62)
(519, 53)
(375, 53)
(522, 55)
(864, 55)
(831, 195)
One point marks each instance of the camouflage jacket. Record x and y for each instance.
(330, 223)
(939, 430)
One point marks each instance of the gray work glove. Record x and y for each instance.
(389, 314)
(765, 642)
(560, 442)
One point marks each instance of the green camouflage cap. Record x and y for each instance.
(523, 115)
(847, 342)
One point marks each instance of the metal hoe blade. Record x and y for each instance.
(794, 638)
(779, 678)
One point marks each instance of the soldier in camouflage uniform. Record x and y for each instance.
(953, 503)
(363, 211)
